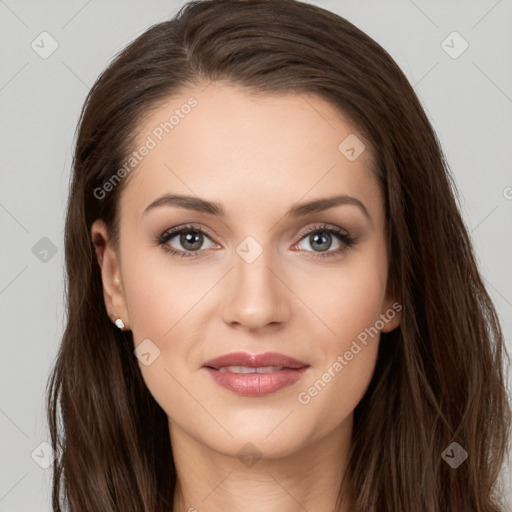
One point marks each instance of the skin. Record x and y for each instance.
(257, 156)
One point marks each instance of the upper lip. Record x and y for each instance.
(254, 360)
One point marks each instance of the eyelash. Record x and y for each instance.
(346, 240)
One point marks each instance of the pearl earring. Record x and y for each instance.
(120, 324)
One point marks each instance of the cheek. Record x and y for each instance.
(160, 300)
(159, 294)
(349, 304)
(347, 299)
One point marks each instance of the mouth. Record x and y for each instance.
(255, 374)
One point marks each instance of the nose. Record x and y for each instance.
(256, 294)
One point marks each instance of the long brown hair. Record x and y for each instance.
(439, 377)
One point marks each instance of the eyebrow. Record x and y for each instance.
(300, 210)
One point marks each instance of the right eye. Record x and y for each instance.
(191, 239)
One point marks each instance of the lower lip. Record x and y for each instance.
(257, 384)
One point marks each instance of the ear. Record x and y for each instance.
(108, 260)
(391, 314)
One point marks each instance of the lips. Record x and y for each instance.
(255, 374)
(268, 359)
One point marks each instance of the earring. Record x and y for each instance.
(119, 323)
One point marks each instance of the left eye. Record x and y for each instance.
(321, 239)
(320, 236)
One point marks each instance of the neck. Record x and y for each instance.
(306, 480)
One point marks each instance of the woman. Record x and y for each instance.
(273, 302)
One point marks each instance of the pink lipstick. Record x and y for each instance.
(255, 374)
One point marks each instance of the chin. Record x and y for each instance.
(270, 434)
(248, 446)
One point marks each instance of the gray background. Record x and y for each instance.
(468, 99)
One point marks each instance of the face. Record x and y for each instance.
(256, 274)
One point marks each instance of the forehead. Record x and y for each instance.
(223, 143)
